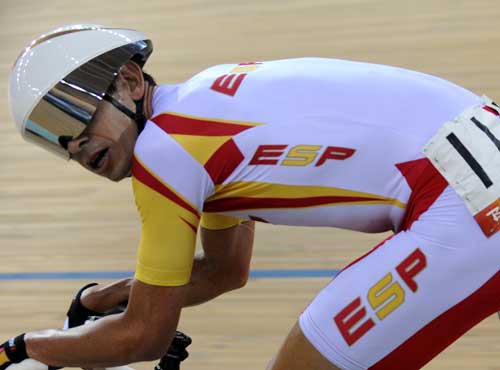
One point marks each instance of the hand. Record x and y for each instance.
(77, 313)
(94, 301)
(176, 353)
(12, 352)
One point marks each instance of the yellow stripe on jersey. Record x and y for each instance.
(215, 221)
(147, 176)
(209, 119)
(3, 357)
(244, 69)
(168, 237)
(270, 190)
(201, 148)
(260, 195)
(201, 137)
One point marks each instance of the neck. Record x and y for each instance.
(148, 99)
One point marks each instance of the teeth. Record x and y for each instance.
(99, 164)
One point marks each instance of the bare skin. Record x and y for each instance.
(223, 266)
(106, 297)
(111, 130)
(296, 353)
(144, 331)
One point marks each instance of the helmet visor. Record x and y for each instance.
(67, 109)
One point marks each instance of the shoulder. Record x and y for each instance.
(239, 91)
(158, 158)
(154, 147)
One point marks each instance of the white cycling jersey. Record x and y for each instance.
(323, 142)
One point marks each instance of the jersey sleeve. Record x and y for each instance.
(214, 221)
(168, 191)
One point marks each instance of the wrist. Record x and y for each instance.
(15, 349)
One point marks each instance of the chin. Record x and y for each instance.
(116, 178)
(120, 173)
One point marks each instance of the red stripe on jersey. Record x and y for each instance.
(143, 175)
(491, 110)
(194, 228)
(444, 330)
(223, 162)
(241, 203)
(173, 124)
(426, 184)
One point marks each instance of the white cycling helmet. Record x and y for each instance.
(61, 77)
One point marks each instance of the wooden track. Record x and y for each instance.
(56, 217)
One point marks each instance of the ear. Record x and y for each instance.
(132, 74)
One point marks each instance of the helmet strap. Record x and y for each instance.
(138, 117)
(139, 113)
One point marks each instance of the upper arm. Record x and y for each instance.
(168, 235)
(169, 188)
(230, 248)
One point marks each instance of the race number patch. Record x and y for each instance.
(466, 151)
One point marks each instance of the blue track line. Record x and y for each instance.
(89, 275)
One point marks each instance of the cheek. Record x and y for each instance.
(119, 136)
(123, 148)
(115, 131)
(128, 137)
(110, 124)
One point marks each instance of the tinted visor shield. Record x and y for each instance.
(67, 109)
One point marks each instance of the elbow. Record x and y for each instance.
(151, 349)
(242, 279)
(150, 354)
(239, 279)
(143, 346)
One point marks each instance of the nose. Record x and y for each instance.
(76, 145)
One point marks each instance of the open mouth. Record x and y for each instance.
(98, 159)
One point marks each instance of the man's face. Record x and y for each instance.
(106, 146)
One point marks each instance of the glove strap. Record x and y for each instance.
(15, 349)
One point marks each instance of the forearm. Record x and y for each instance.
(206, 283)
(107, 342)
(224, 267)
